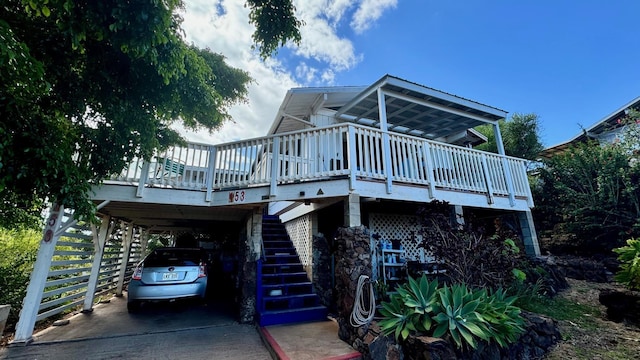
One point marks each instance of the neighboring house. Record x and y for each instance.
(333, 157)
(607, 130)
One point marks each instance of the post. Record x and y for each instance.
(426, 155)
(126, 249)
(505, 164)
(386, 141)
(529, 236)
(211, 172)
(352, 157)
(99, 240)
(275, 169)
(31, 302)
(143, 178)
(352, 211)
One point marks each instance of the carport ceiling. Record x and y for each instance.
(163, 217)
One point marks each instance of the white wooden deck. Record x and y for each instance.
(320, 163)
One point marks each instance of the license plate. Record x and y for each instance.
(170, 276)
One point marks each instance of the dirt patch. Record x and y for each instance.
(594, 337)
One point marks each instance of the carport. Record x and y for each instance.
(78, 263)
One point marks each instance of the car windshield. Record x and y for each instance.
(174, 257)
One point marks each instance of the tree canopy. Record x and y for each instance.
(520, 136)
(85, 86)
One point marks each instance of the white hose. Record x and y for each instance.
(361, 314)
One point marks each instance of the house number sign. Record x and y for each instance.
(236, 196)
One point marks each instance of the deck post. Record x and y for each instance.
(352, 211)
(99, 240)
(426, 155)
(144, 176)
(126, 250)
(275, 169)
(386, 141)
(529, 236)
(505, 164)
(31, 302)
(210, 173)
(351, 154)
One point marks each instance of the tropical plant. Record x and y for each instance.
(468, 254)
(456, 315)
(629, 257)
(87, 86)
(503, 317)
(18, 250)
(399, 319)
(464, 315)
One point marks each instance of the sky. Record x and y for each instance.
(572, 62)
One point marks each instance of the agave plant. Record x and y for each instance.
(399, 319)
(411, 309)
(504, 321)
(457, 315)
(420, 296)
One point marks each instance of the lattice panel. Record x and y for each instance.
(299, 231)
(398, 227)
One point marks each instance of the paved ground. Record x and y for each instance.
(179, 331)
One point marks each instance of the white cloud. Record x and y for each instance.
(368, 12)
(223, 26)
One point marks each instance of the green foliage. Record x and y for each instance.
(86, 86)
(629, 257)
(520, 136)
(503, 316)
(591, 191)
(466, 316)
(275, 24)
(456, 315)
(18, 250)
(468, 254)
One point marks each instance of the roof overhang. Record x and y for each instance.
(417, 110)
(608, 123)
(412, 108)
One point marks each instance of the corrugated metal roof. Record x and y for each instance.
(411, 108)
(605, 124)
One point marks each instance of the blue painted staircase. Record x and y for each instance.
(285, 294)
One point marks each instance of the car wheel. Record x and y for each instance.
(133, 306)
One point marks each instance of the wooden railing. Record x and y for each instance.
(343, 150)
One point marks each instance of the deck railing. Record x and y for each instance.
(342, 150)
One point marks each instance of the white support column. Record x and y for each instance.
(275, 169)
(126, 249)
(505, 164)
(529, 236)
(144, 176)
(352, 211)
(352, 157)
(31, 302)
(386, 142)
(99, 240)
(211, 172)
(426, 155)
(254, 234)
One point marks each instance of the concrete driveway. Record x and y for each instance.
(159, 331)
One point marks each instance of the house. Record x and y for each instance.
(607, 130)
(333, 157)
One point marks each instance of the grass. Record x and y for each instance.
(562, 309)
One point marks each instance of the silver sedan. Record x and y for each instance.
(167, 274)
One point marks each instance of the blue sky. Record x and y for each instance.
(571, 62)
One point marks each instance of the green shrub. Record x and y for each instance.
(464, 315)
(456, 315)
(629, 257)
(18, 250)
